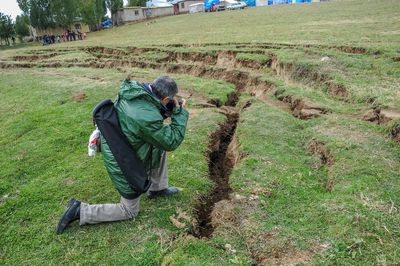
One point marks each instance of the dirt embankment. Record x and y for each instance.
(290, 72)
(302, 109)
(381, 116)
(341, 48)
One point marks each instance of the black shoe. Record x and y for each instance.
(163, 193)
(70, 215)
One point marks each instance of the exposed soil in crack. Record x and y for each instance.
(220, 166)
(301, 108)
(342, 48)
(31, 58)
(290, 72)
(338, 90)
(222, 157)
(318, 148)
(395, 133)
(326, 159)
(381, 116)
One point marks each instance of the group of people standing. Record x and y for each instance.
(67, 36)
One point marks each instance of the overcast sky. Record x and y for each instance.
(10, 7)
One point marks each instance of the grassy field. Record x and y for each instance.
(300, 102)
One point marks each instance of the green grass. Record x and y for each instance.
(300, 211)
(46, 164)
(286, 207)
(348, 22)
(255, 57)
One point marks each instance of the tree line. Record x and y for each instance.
(44, 14)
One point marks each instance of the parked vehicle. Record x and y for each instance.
(235, 6)
(221, 7)
(195, 8)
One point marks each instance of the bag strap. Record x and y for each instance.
(106, 119)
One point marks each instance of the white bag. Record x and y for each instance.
(94, 140)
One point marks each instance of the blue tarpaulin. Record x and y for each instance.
(250, 2)
(208, 4)
(106, 23)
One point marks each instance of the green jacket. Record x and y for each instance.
(141, 121)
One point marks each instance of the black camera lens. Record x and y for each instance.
(170, 105)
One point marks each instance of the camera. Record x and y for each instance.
(169, 107)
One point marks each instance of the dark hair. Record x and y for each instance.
(164, 86)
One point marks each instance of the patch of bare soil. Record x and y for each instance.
(381, 116)
(395, 133)
(326, 158)
(79, 97)
(268, 249)
(337, 90)
(248, 63)
(318, 148)
(226, 60)
(302, 109)
(181, 57)
(102, 51)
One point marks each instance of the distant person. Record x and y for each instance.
(13, 39)
(141, 110)
(148, 12)
(84, 35)
(44, 40)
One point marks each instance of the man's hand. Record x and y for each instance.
(183, 103)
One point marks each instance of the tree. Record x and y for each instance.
(65, 12)
(41, 15)
(114, 6)
(137, 3)
(93, 12)
(22, 26)
(6, 28)
(45, 14)
(25, 6)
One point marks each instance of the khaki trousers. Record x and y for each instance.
(126, 208)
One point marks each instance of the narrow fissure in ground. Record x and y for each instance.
(220, 166)
(326, 159)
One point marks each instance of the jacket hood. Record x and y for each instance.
(131, 89)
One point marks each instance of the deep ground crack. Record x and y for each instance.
(220, 166)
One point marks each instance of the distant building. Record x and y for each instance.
(136, 13)
(182, 6)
